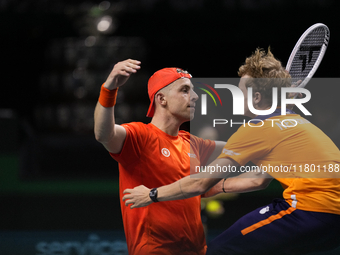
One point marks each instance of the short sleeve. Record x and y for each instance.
(247, 144)
(136, 136)
(205, 148)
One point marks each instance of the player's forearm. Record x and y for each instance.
(197, 184)
(239, 185)
(104, 123)
(181, 189)
(187, 187)
(217, 189)
(104, 119)
(245, 183)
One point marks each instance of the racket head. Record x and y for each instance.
(308, 53)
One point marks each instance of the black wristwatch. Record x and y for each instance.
(153, 195)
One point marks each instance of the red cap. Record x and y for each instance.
(161, 79)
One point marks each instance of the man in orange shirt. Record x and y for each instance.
(288, 148)
(156, 154)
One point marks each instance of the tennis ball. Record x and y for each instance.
(214, 208)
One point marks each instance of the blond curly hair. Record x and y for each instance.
(266, 72)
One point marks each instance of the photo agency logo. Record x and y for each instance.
(220, 88)
(204, 97)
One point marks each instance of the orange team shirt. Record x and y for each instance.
(295, 151)
(153, 158)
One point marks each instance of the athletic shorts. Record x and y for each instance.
(279, 229)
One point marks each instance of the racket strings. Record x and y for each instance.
(307, 54)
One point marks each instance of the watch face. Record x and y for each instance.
(153, 192)
(153, 195)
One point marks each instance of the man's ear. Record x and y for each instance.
(160, 98)
(257, 98)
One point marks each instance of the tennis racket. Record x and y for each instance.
(307, 54)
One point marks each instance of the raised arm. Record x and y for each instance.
(106, 131)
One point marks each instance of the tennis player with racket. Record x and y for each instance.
(307, 219)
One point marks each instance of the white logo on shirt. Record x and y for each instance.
(192, 155)
(165, 152)
(264, 210)
(229, 152)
